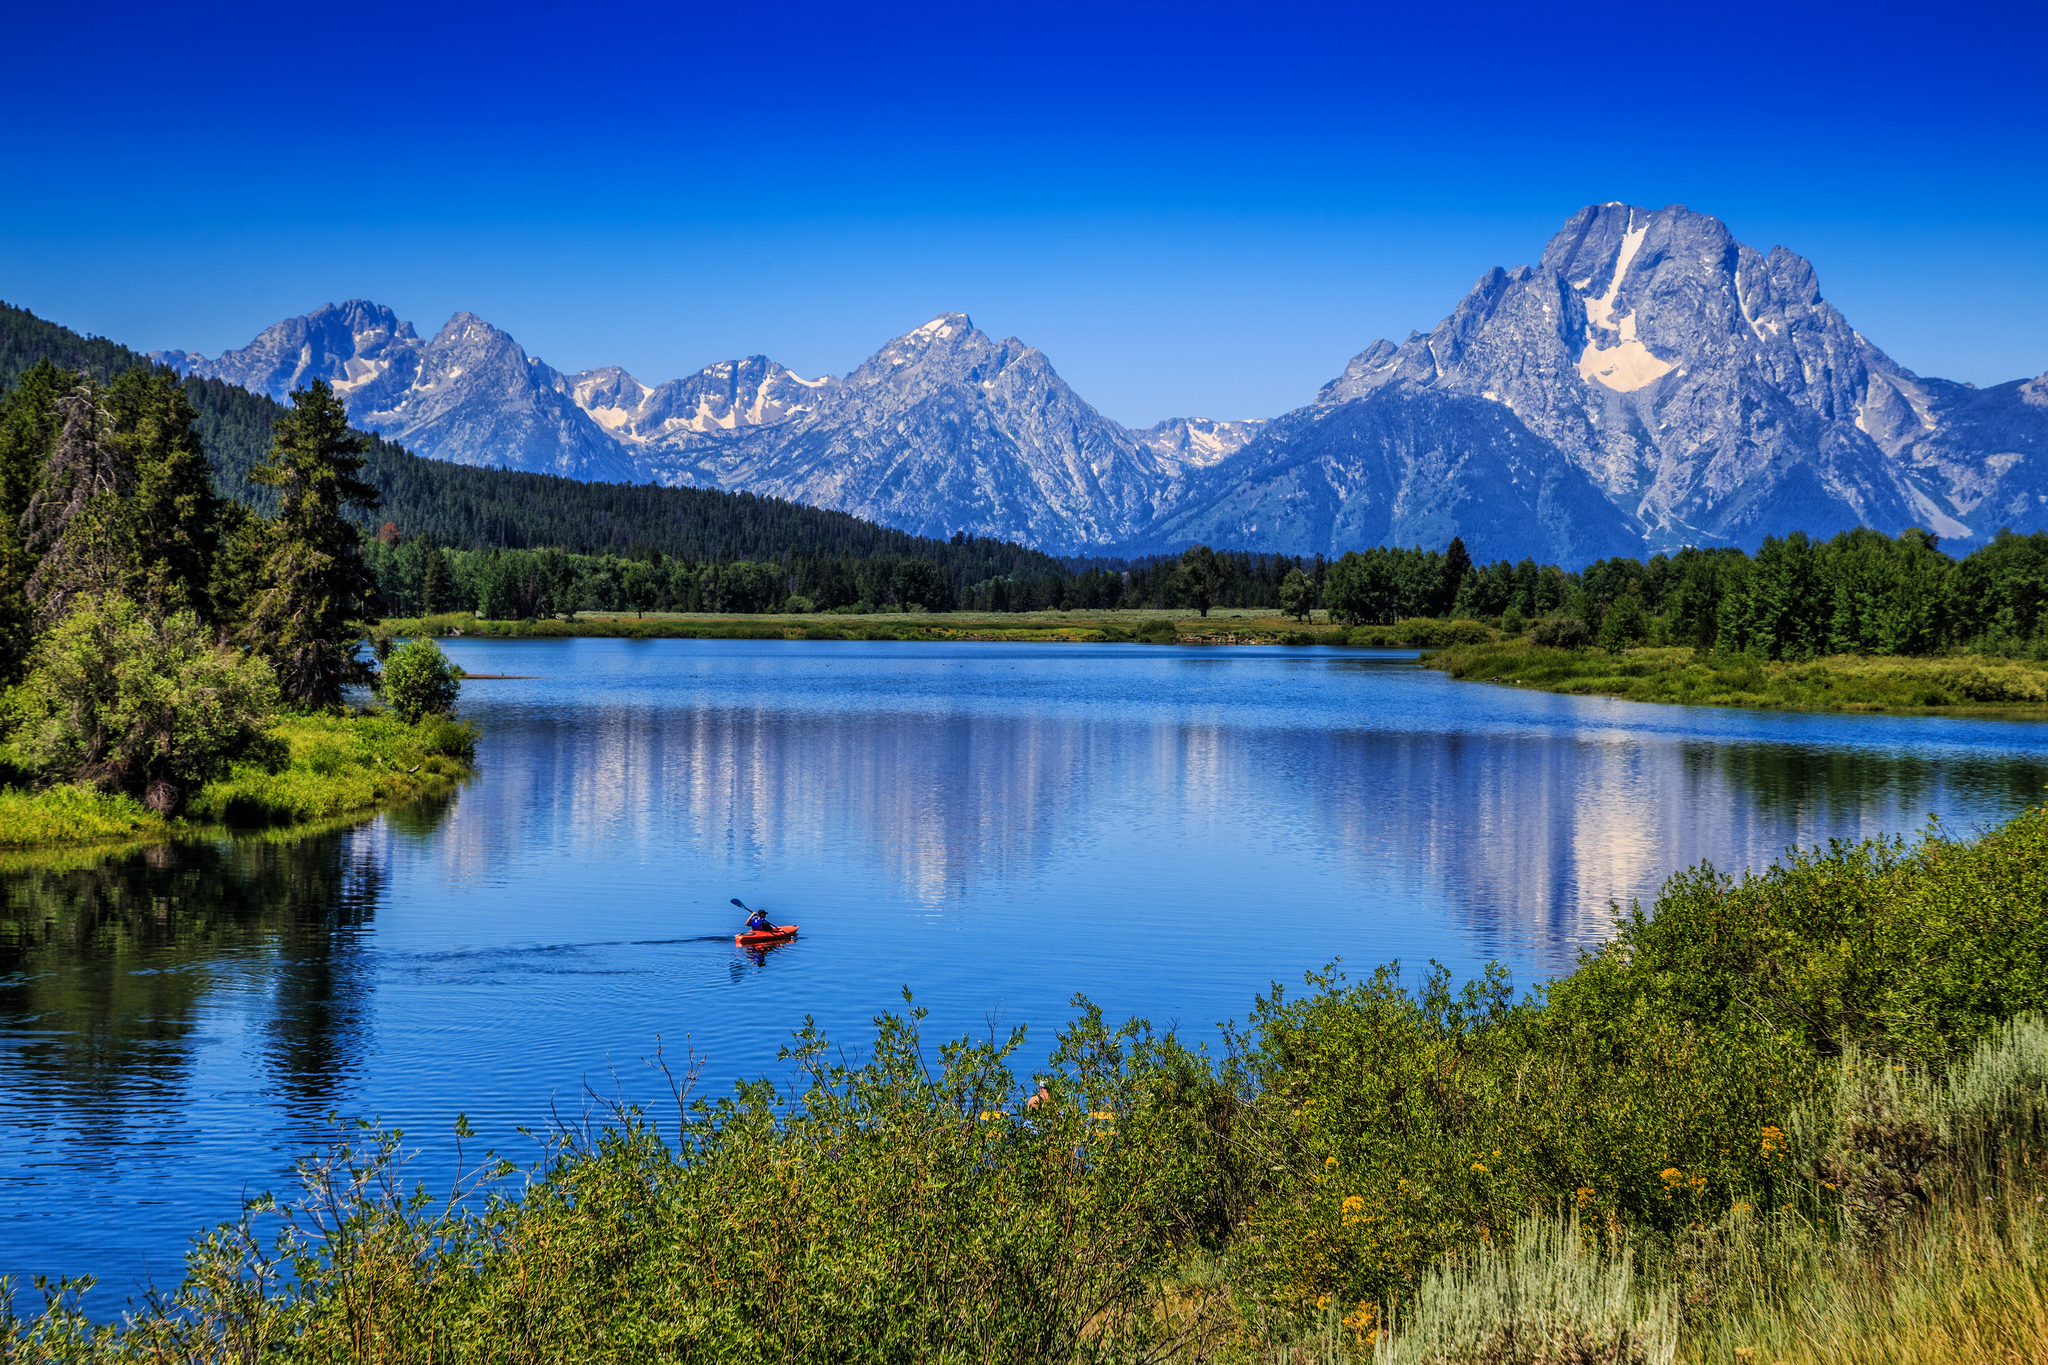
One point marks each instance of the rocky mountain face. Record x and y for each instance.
(469, 394)
(946, 429)
(1649, 383)
(1401, 467)
(729, 396)
(1707, 388)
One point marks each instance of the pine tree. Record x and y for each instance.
(173, 512)
(243, 550)
(77, 521)
(1457, 564)
(29, 423)
(318, 591)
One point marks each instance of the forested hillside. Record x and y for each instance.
(466, 507)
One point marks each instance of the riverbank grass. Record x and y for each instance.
(1952, 683)
(323, 767)
(73, 815)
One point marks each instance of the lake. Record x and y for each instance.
(995, 827)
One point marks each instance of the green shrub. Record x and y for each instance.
(129, 704)
(799, 605)
(1422, 632)
(911, 1208)
(1561, 632)
(1160, 630)
(419, 681)
(448, 737)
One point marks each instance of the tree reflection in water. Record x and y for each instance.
(111, 964)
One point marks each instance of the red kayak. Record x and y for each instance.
(778, 933)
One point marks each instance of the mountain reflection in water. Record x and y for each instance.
(1167, 830)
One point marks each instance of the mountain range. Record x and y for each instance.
(1649, 383)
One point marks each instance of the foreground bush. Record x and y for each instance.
(909, 1209)
(418, 681)
(150, 708)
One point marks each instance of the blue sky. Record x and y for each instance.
(1196, 209)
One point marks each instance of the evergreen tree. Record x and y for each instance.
(77, 521)
(29, 422)
(317, 590)
(436, 586)
(243, 547)
(1457, 564)
(173, 513)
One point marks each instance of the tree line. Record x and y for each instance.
(417, 577)
(1798, 597)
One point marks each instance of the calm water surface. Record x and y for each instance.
(995, 827)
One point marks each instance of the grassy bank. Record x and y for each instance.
(323, 767)
(1842, 683)
(1800, 1115)
(1223, 626)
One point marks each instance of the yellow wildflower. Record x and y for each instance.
(1330, 1162)
(1478, 1168)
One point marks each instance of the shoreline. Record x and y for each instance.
(340, 770)
(1973, 686)
(1959, 685)
(1223, 626)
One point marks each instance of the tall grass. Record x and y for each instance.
(1551, 1293)
(1933, 1242)
(338, 764)
(1921, 1236)
(72, 814)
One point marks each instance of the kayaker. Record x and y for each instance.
(757, 922)
(1040, 1096)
